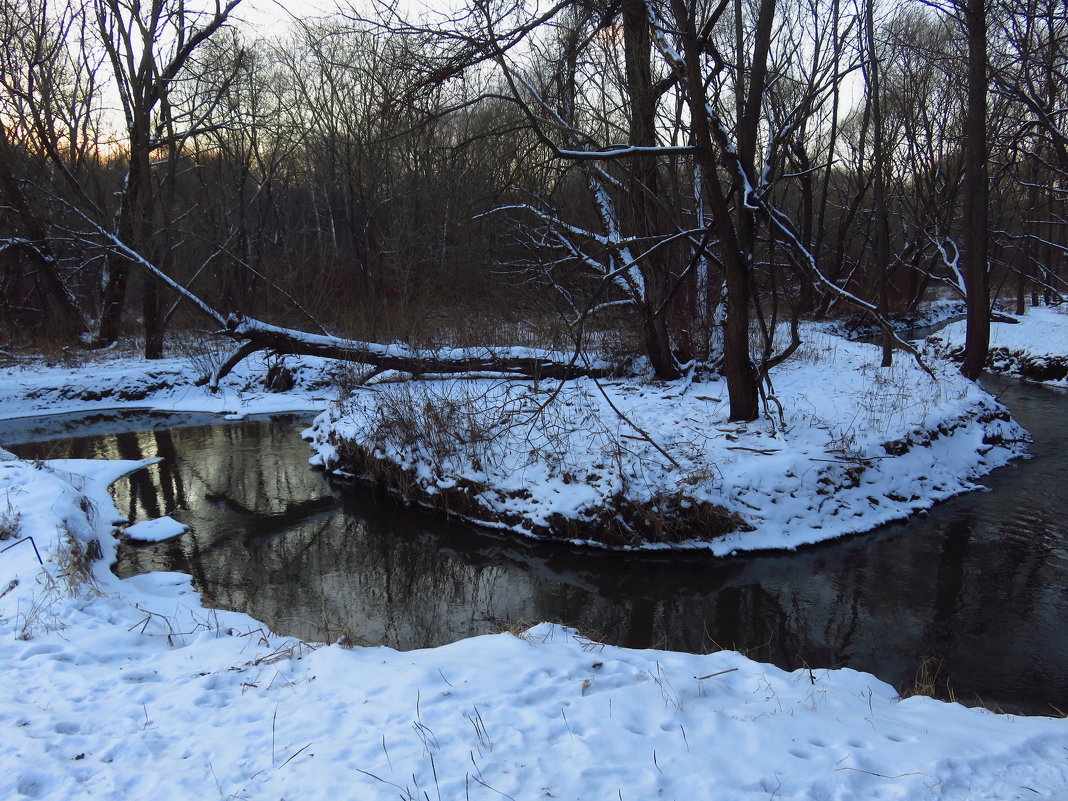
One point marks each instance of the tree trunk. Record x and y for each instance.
(117, 269)
(112, 301)
(154, 324)
(738, 368)
(975, 189)
(882, 222)
(643, 185)
(514, 363)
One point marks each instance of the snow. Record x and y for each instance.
(929, 314)
(158, 530)
(131, 688)
(1033, 347)
(856, 445)
(37, 388)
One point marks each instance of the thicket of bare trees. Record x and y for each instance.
(697, 172)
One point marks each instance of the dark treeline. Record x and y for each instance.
(688, 176)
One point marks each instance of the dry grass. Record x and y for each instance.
(40, 616)
(421, 441)
(10, 521)
(931, 681)
(75, 561)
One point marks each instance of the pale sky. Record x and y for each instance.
(273, 16)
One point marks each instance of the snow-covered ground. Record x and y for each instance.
(847, 446)
(132, 689)
(113, 381)
(1035, 348)
(931, 313)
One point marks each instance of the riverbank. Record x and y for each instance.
(132, 688)
(844, 446)
(79, 381)
(1035, 348)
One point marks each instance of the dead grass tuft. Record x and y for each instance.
(931, 681)
(75, 560)
(10, 521)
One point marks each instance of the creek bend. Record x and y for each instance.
(978, 588)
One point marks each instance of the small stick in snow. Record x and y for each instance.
(713, 675)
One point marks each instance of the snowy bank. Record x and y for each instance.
(847, 446)
(109, 381)
(855, 446)
(131, 688)
(931, 313)
(1034, 348)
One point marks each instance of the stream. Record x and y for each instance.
(972, 597)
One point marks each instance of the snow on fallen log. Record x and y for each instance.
(259, 336)
(516, 362)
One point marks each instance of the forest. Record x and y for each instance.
(339, 347)
(679, 180)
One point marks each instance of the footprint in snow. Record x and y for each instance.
(34, 784)
(39, 649)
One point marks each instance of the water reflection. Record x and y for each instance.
(980, 584)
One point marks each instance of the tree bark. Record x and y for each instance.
(643, 192)
(975, 190)
(738, 369)
(882, 221)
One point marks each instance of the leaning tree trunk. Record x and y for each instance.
(524, 363)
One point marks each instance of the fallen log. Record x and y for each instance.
(256, 335)
(527, 363)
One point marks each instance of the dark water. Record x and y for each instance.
(978, 589)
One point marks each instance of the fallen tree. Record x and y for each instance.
(529, 363)
(256, 335)
(512, 362)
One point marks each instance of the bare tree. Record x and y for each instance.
(1029, 79)
(150, 49)
(47, 114)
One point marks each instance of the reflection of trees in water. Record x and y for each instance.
(396, 576)
(998, 626)
(263, 465)
(329, 576)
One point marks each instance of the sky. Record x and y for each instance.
(271, 17)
